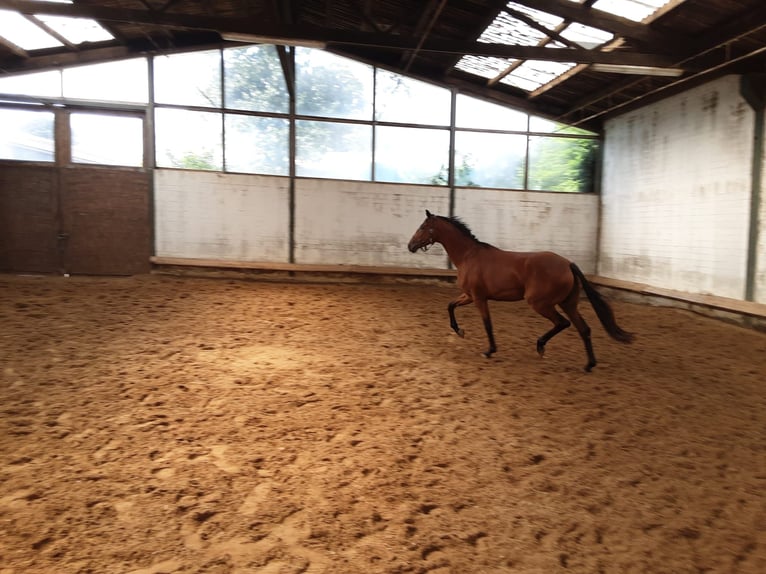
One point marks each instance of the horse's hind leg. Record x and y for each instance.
(559, 324)
(569, 305)
(464, 299)
(483, 306)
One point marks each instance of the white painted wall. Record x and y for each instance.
(566, 223)
(676, 192)
(760, 268)
(202, 215)
(227, 217)
(363, 223)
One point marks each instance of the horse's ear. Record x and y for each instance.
(428, 213)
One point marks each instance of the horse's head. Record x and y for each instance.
(425, 236)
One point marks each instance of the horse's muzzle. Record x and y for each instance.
(414, 246)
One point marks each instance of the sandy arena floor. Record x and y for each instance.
(176, 425)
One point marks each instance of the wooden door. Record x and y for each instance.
(106, 221)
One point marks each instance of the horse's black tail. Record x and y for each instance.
(602, 308)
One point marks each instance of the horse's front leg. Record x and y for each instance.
(483, 306)
(464, 299)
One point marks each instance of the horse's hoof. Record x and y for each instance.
(589, 366)
(486, 355)
(460, 333)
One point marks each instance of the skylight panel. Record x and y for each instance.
(20, 31)
(586, 36)
(76, 30)
(543, 18)
(483, 66)
(535, 73)
(506, 29)
(636, 10)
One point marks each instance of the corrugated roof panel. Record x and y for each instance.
(483, 67)
(506, 29)
(76, 30)
(636, 10)
(23, 33)
(543, 18)
(534, 73)
(586, 36)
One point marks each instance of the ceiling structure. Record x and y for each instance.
(576, 61)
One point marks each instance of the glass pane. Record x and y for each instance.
(402, 99)
(123, 81)
(327, 149)
(411, 155)
(257, 145)
(254, 80)
(45, 84)
(473, 113)
(107, 139)
(331, 86)
(190, 140)
(188, 79)
(561, 164)
(26, 135)
(543, 125)
(490, 160)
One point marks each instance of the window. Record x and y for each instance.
(254, 80)
(404, 100)
(229, 109)
(192, 79)
(186, 139)
(43, 84)
(561, 164)
(490, 159)
(123, 81)
(107, 139)
(543, 125)
(473, 113)
(26, 135)
(257, 145)
(331, 149)
(411, 155)
(332, 87)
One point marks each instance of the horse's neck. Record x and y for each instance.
(457, 246)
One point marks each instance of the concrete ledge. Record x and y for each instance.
(303, 268)
(714, 302)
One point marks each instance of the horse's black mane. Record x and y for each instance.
(461, 226)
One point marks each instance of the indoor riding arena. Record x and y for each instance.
(288, 351)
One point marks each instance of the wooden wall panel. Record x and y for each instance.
(28, 219)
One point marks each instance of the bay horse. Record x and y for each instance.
(544, 279)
